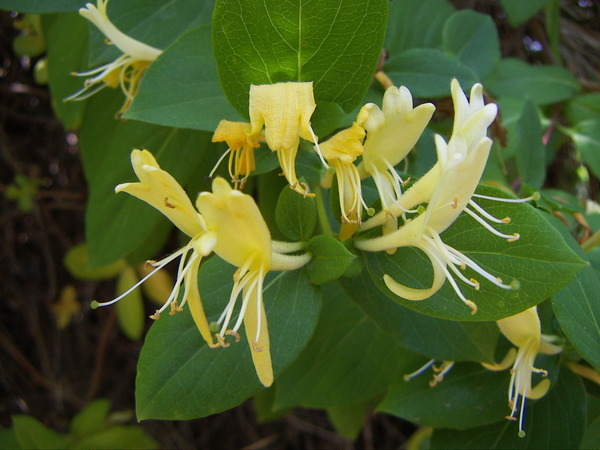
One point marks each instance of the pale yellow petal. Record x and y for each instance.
(261, 350)
(192, 293)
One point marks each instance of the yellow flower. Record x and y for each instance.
(243, 240)
(159, 189)
(340, 151)
(241, 149)
(230, 225)
(391, 133)
(523, 331)
(448, 188)
(126, 71)
(284, 109)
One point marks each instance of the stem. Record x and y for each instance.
(321, 212)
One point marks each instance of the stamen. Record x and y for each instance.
(419, 371)
(509, 238)
(234, 334)
(155, 316)
(221, 341)
(487, 215)
(535, 196)
(219, 161)
(175, 308)
(256, 347)
(316, 142)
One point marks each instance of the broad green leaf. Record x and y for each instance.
(469, 396)
(542, 84)
(32, 434)
(472, 37)
(444, 340)
(117, 224)
(540, 261)
(557, 421)
(530, 151)
(428, 72)
(8, 439)
(130, 309)
(118, 436)
(41, 6)
(586, 136)
(154, 22)
(76, 261)
(416, 24)
(583, 107)
(65, 56)
(577, 308)
(296, 215)
(181, 88)
(332, 43)
(349, 419)
(330, 259)
(180, 377)
(91, 419)
(591, 438)
(519, 12)
(347, 350)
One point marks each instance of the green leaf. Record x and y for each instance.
(530, 150)
(583, 107)
(557, 421)
(416, 24)
(130, 309)
(469, 396)
(519, 12)
(119, 436)
(65, 56)
(180, 377)
(296, 215)
(330, 259)
(41, 6)
(76, 261)
(347, 350)
(8, 439)
(117, 224)
(186, 66)
(428, 72)
(92, 419)
(335, 44)
(444, 340)
(591, 438)
(154, 22)
(349, 419)
(472, 37)
(577, 308)
(542, 84)
(586, 136)
(540, 261)
(32, 434)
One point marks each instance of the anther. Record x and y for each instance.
(234, 334)
(475, 282)
(405, 182)
(471, 305)
(167, 204)
(221, 341)
(515, 237)
(155, 316)
(506, 220)
(214, 345)
(256, 347)
(174, 308)
(455, 202)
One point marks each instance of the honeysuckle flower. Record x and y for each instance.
(241, 149)
(523, 330)
(284, 109)
(159, 189)
(229, 223)
(448, 188)
(340, 151)
(126, 71)
(392, 132)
